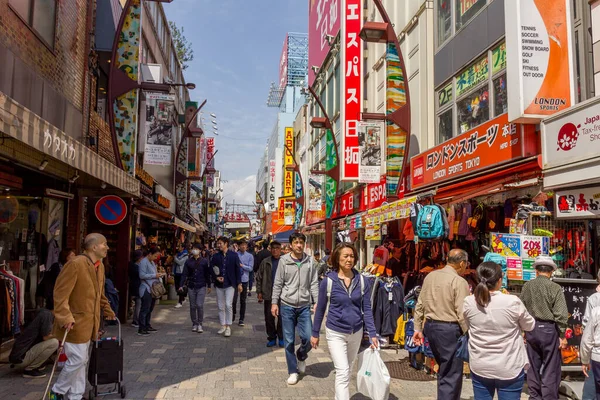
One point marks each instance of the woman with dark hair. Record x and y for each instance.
(345, 291)
(497, 355)
(46, 286)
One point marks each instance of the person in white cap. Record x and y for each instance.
(545, 301)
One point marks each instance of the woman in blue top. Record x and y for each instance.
(349, 311)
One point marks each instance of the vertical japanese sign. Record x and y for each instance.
(351, 87)
(540, 58)
(288, 161)
(125, 107)
(283, 64)
(271, 195)
(160, 128)
(370, 142)
(210, 153)
(323, 21)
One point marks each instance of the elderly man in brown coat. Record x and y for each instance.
(78, 300)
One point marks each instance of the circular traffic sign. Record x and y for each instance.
(111, 210)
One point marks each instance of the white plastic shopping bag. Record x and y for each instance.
(373, 378)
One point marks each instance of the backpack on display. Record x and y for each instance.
(500, 260)
(432, 222)
(415, 209)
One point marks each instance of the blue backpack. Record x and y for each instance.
(500, 260)
(432, 222)
(409, 330)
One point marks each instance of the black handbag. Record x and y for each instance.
(182, 291)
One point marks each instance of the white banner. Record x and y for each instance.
(578, 203)
(315, 192)
(370, 149)
(271, 197)
(160, 128)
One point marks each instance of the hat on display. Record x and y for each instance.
(544, 260)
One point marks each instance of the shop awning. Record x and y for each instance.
(154, 213)
(27, 127)
(283, 237)
(184, 225)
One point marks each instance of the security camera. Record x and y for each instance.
(330, 39)
(315, 69)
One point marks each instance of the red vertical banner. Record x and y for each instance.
(352, 87)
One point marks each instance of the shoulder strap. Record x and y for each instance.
(329, 287)
(362, 293)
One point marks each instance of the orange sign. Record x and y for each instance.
(539, 58)
(495, 142)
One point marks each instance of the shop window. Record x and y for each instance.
(444, 12)
(473, 110)
(500, 95)
(445, 126)
(39, 15)
(466, 10)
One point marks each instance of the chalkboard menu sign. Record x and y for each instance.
(576, 293)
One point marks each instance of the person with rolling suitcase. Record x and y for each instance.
(78, 299)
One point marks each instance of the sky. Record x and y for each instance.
(237, 46)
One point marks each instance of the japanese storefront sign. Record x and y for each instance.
(499, 58)
(540, 58)
(445, 96)
(160, 128)
(323, 21)
(472, 76)
(572, 137)
(210, 152)
(466, 5)
(577, 292)
(147, 181)
(528, 270)
(522, 246)
(351, 87)
(371, 146)
(288, 183)
(272, 198)
(578, 203)
(348, 204)
(374, 195)
(493, 143)
(283, 64)
(533, 246)
(288, 159)
(330, 193)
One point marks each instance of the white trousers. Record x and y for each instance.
(225, 304)
(343, 348)
(72, 379)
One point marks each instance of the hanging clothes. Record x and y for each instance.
(53, 253)
(389, 305)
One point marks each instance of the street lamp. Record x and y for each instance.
(383, 32)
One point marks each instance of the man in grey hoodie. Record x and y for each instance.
(296, 286)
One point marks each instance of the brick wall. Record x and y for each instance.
(64, 66)
(100, 131)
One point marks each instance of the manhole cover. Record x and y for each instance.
(402, 370)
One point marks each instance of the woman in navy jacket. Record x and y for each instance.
(349, 311)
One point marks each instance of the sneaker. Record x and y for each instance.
(281, 343)
(33, 373)
(249, 294)
(152, 330)
(55, 396)
(241, 323)
(301, 367)
(135, 325)
(179, 305)
(227, 332)
(221, 331)
(195, 328)
(293, 379)
(271, 343)
(143, 333)
(200, 330)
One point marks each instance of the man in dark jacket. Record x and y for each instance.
(261, 255)
(134, 285)
(264, 290)
(225, 268)
(196, 276)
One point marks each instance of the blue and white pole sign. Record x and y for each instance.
(111, 210)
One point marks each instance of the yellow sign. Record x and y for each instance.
(288, 184)
(288, 159)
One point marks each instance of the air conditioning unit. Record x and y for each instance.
(152, 73)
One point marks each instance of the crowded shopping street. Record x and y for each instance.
(292, 199)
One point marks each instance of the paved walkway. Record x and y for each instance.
(177, 363)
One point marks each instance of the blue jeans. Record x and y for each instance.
(292, 318)
(589, 386)
(484, 388)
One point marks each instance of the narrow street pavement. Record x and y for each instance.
(176, 363)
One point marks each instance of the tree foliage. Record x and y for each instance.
(185, 53)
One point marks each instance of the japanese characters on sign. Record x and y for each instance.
(160, 128)
(495, 142)
(210, 151)
(352, 87)
(374, 195)
(472, 76)
(499, 58)
(323, 21)
(60, 147)
(578, 203)
(540, 58)
(283, 64)
(271, 196)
